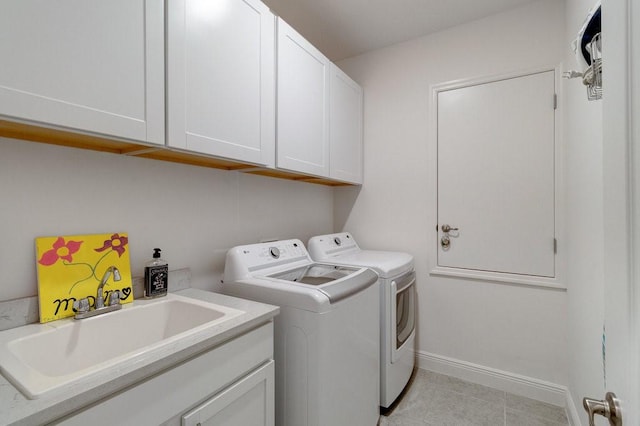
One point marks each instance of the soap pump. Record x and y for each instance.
(156, 276)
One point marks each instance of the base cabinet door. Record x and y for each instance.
(303, 104)
(89, 65)
(235, 381)
(250, 402)
(221, 79)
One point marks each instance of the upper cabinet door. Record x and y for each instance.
(345, 128)
(88, 65)
(221, 78)
(303, 104)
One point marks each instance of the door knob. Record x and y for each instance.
(609, 408)
(448, 228)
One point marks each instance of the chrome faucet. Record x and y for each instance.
(82, 307)
(116, 277)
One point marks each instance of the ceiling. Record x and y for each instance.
(345, 28)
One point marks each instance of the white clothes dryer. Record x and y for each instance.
(397, 304)
(326, 335)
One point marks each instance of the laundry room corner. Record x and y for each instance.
(502, 334)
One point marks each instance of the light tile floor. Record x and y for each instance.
(437, 400)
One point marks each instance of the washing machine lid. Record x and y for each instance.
(315, 274)
(282, 273)
(335, 281)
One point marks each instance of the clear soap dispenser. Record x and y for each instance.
(156, 276)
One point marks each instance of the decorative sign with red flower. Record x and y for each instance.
(70, 268)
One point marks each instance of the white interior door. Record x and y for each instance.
(496, 175)
(621, 143)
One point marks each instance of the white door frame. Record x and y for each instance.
(621, 166)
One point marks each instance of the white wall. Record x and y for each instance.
(517, 329)
(194, 214)
(585, 262)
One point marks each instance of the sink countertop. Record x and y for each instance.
(16, 409)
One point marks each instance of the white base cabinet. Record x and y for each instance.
(248, 402)
(229, 385)
(88, 65)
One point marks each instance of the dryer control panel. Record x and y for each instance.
(326, 246)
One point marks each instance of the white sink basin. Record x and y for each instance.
(42, 358)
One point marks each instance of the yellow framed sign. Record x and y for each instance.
(70, 268)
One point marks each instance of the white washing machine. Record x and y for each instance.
(397, 304)
(327, 338)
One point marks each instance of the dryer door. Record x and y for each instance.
(403, 314)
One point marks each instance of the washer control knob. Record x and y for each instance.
(337, 241)
(274, 252)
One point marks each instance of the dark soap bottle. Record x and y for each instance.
(156, 276)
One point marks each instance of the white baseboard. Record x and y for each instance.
(497, 379)
(572, 412)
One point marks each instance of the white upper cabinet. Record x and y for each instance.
(221, 79)
(88, 65)
(303, 104)
(345, 128)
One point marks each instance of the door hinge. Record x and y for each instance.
(555, 246)
(555, 101)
